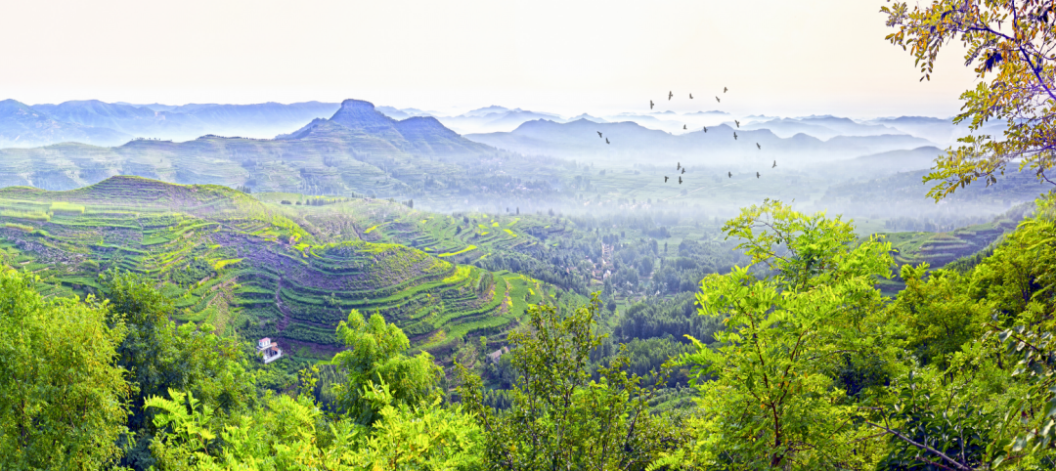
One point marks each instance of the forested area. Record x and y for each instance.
(801, 364)
(625, 253)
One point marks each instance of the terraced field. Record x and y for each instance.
(939, 249)
(250, 268)
(461, 238)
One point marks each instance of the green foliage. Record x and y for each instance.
(797, 361)
(62, 397)
(290, 433)
(407, 431)
(1021, 90)
(376, 358)
(774, 402)
(561, 416)
(982, 394)
(1019, 281)
(159, 356)
(420, 437)
(939, 313)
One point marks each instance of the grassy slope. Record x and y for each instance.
(248, 267)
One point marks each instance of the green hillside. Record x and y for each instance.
(247, 267)
(939, 249)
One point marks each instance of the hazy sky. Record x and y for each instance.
(776, 56)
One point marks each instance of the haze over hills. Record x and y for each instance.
(635, 143)
(894, 161)
(541, 163)
(939, 130)
(493, 118)
(823, 128)
(100, 123)
(356, 151)
(187, 122)
(402, 113)
(25, 126)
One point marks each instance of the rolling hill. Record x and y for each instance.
(246, 266)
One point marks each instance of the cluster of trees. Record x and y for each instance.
(320, 201)
(640, 263)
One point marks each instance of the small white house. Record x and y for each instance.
(269, 350)
(494, 356)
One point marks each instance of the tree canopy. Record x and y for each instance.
(1011, 44)
(63, 397)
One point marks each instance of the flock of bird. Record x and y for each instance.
(678, 165)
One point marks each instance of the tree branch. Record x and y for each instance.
(1033, 69)
(924, 447)
(1041, 173)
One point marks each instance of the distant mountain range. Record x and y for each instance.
(883, 163)
(493, 118)
(542, 162)
(822, 127)
(190, 121)
(404, 113)
(24, 126)
(100, 123)
(938, 130)
(358, 149)
(631, 142)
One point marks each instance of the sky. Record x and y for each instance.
(777, 57)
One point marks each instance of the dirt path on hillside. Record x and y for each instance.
(285, 321)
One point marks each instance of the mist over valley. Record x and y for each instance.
(536, 161)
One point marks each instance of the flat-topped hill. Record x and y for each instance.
(357, 150)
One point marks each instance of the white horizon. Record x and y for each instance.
(600, 57)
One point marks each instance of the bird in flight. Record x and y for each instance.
(705, 129)
(690, 96)
(684, 126)
(599, 134)
(756, 174)
(775, 164)
(678, 165)
(734, 136)
(651, 104)
(606, 140)
(730, 174)
(669, 95)
(683, 169)
(718, 100)
(679, 180)
(724, 89)
(759, 146)
(665, 178)
(737, 122)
